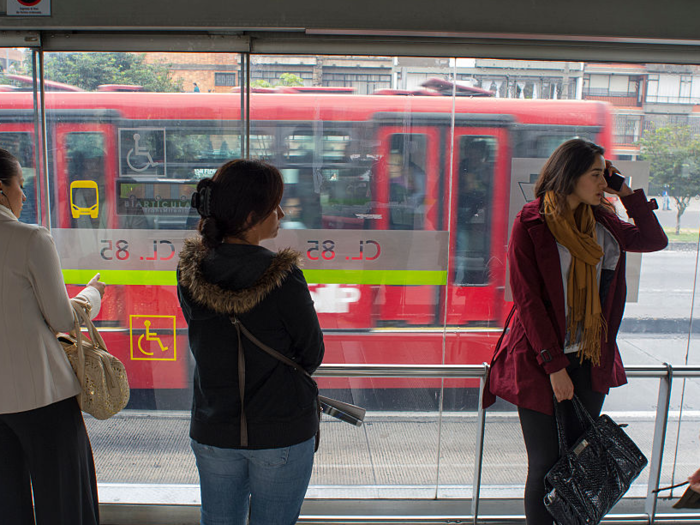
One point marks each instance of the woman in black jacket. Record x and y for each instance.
(254, 418)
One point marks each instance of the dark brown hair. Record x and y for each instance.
(8, 166)
(563, 168)
(240, 189)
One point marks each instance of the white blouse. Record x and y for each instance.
(611, 255)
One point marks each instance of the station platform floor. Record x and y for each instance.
(406, 464)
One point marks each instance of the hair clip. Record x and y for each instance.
(195, 200)
(201, 201)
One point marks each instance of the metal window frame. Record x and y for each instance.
(325, 43)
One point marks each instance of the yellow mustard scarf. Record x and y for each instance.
(576, 231)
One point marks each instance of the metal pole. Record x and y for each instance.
(657, 450)
(247, 108)
(479, 454)
(44, 140)
(39, 181)
(244, 87)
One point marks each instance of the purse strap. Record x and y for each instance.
(241, 329)
(581, 414)
(80, 307)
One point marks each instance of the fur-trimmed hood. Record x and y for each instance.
(233, 278)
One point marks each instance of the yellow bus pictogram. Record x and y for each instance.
(75, 210)
(152, 337)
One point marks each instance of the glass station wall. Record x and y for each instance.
(402, 178)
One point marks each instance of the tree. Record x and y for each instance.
(674, 155)
(89, 70)
(286, 79)
(290, 79)
(260, 84)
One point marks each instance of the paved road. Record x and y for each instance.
(689, 220)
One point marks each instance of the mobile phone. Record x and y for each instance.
(614, 180)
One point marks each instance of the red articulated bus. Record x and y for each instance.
(399, 205)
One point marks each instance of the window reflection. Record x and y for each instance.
(21, 145)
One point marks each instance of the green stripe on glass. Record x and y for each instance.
(398, 277)
(152, 277)
(168, 278)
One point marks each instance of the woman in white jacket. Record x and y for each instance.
(45, 453)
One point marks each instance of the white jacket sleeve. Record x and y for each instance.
(92, 295)
(47, 281)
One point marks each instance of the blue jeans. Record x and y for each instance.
(270, 482)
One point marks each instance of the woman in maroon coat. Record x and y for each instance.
(567, 272)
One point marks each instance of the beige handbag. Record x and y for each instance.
(101, 375)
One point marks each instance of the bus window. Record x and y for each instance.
(305, 145)
(207, 150)
(21, 145)
(476, 156)
(262, 146)
(546, 144)
(328, 177)
(197, 153)
(407, 181)
(85, 159)
(540, 144)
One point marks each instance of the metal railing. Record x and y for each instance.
(665, 373)
(445, 511)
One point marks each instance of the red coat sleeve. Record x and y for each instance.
(646, 234)
(527, 283)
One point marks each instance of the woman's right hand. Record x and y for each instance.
(99, 285)
(562, 385)
(694, 481)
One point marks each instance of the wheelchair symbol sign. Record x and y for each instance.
(139, 157)
(142, 151)
(152, 337)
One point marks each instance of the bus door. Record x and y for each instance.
(478, 226)
(18, 139)
(84, 176)
(407, 188)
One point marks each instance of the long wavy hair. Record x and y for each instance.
(564, 167)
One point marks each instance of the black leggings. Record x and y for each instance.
(542, 443)
(45, 455)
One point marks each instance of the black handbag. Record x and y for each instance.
(590, 477)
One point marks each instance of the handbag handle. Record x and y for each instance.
(79, 307)
(80, 314)
(581, 414)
